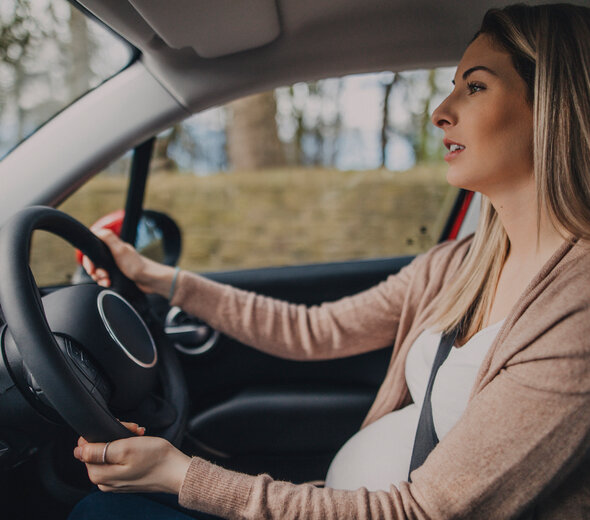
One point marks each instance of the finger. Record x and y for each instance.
(92, 453)
(105, 474)
(109, 238)
(88, 265)
(102, 277)
(134, 427)
(107, 489)
(77, 450)
(102, 233)
(118, 452)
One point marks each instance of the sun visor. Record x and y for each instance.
(213, 28)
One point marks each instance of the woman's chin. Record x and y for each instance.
(458, 179)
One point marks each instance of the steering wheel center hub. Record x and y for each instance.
(127, 329)
(112, 335)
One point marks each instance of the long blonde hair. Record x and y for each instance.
(550, 49)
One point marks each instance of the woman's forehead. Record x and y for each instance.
(484, 54)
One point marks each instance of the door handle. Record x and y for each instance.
(188, 334)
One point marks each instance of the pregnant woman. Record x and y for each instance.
(485, 409)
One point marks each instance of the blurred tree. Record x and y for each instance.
(17, 31)
(80, 47)
(423, 146)
(252, 137)
(325, 127)
(49, 56)
(297, 115)
(162, 160)
(385, 118)
(310, 118)
(35, 42)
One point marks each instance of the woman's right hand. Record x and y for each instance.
(138, 464)
(149, 276)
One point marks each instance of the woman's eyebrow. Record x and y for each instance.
(473, 69)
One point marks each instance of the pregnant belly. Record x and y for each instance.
(377, 456)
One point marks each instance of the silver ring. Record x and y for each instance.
(104, 453)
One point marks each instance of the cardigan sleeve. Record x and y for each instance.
(352, 325)
(523, 433)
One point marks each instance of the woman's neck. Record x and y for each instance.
(531, 244)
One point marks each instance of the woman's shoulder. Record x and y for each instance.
(445, 257)
(581, 251)
(451, 248)
(567, 277)
(574, 261)
(560, 293)
(430, 270)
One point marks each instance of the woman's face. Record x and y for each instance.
(488, 115)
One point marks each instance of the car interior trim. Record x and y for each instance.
(189, 336)
(113, 334)
(140, 166)
(119, 119)
(471, 217)
(211, 29)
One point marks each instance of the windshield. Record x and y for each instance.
(50, 54)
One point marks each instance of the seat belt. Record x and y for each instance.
(426, 438)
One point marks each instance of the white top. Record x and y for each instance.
(379, 455)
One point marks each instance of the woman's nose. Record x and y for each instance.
(442, 115)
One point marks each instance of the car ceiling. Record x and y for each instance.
(203, 51)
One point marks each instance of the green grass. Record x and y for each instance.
(275, 217)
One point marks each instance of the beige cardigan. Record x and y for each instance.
(523, 436)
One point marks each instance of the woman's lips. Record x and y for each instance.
(454, 149)
(449, 156)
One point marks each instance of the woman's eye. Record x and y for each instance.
(473, 87)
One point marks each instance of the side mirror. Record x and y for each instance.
(158, 236)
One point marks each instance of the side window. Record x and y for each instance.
(53, 260)
(339, 169)
(51, 53)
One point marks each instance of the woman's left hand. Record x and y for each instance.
(137, 464)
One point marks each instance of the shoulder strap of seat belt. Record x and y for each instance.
(426, 438)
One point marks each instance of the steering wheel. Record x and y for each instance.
(83, 350)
